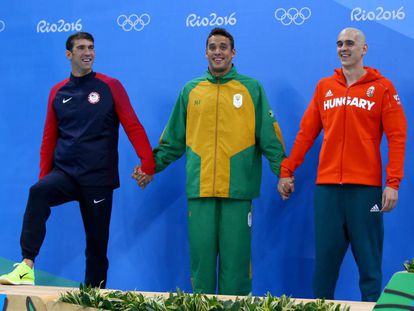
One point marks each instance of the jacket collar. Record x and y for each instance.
(222, 79)
(371, 75)
(82, 79)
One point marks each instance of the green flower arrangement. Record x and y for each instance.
(180, 301)
(409, 265)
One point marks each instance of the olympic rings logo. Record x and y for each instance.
(2, 25)
(133, 21)
(293, 15)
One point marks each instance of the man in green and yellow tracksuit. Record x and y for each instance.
(223, 122)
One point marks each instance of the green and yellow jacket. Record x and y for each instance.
(224, 124)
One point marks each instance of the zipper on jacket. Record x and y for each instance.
(343, 136)
(216, 137)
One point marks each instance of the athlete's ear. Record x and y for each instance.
(364, 49)
(68, 54)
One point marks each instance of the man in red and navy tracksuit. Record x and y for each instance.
(79, 160)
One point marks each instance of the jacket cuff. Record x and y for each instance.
(284, 172)
(393, 183)
(148, 168)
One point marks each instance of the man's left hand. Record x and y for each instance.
(142, 179)
(286, 187)
(389, 199)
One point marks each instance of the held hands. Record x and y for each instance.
(286, 187)
(142, 179)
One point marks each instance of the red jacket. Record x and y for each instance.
(353, 120)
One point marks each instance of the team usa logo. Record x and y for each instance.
(94, 98)
(370, 91)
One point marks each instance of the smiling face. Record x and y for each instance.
(219, 54)
(81, 57)
(351, 48)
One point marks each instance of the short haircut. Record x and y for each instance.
(221, 32)
(77, 36)
(359, 33)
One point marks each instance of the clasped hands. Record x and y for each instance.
(286, 187)
(141, 177)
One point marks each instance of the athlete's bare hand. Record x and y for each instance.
(286, 187)
(389, 199)
(142, 178)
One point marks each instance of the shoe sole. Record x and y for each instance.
(5, 281)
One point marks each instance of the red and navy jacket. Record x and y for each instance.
(80, 136)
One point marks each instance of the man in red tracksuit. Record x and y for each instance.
(79, 160)
(354, 107)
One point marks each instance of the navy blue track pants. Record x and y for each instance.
(95, 205)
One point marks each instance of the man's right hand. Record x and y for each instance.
(286, 187)
(142, 178)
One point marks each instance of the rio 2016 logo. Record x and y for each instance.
(60, 26)
(193, 20)
(358, 14)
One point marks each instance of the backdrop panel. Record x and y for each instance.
(154, 47)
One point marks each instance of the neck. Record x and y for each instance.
(352, 75)
(80, 74)
(219, 74)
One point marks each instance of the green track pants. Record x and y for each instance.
(348, 214)
(220, 229)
